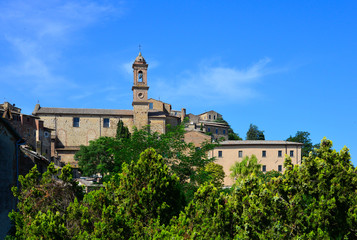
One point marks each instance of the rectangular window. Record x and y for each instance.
(151, 106)
(105, 122)
(214, 117)
(75, 122)
(220, 154)
(240, 154)
(280, 153)
(208, 129)
(264, 168)
(280, 168)
(216, 130)
(264, 153)
(224, 132)
(292, 153)
(209, 116)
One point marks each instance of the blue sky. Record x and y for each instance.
(282, 65)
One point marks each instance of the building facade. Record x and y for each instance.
(73, 127)
(17, 156)
(209, 123)
(270, 154)
(30, 128)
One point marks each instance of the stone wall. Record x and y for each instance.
(7, 178)
(141, 118)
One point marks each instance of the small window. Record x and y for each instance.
(264, 168)
(46, 134)
(75, 122)
(240, 154)
(280, 168)
(214, 117)
(292, 153)
(28, 119)
(151, 106)
(280, 153)
(209, 116)
(106, 122)
(208, 130)
(264, 153)
(216, 130)
(224, 132)
(220, 154)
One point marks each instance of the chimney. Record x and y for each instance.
(183, 114)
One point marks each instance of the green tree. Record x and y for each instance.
(246, 167)
(304, 138)
(231, 134)
(207, 216)
(145, 192)
(269, 175)
(122, 131)
(42, 203)
(320, 195)
(214, 174)
(96, 157)
(254, 133)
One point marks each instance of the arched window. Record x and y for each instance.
(140, 76)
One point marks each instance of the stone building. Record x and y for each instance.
(30, 128)
(270, 154)
(209, 123)
(73, 127)
(20, 135)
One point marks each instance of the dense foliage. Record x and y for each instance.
(254, 133)
(106, 155)
(304, 138)
(317, 199)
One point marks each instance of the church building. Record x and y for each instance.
(72, 127)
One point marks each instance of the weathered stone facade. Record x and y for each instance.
(30, 128)
(208, 123)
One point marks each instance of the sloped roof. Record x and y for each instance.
(208, 112)
(83, 111)
(258, 142)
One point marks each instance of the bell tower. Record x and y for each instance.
(140, 92)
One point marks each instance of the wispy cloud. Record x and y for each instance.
(36, 33)
(215, 84)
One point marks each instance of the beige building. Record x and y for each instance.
(270, 154)
(76, 126)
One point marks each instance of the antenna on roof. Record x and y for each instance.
(38, 101)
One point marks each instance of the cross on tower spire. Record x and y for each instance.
(139, 48)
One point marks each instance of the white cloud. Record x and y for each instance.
(214, 84)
